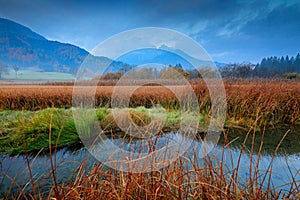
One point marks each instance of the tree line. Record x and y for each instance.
(269, 67)
(278, 66)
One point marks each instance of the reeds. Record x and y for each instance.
(275, 101)
(186, 178)
(258, 104)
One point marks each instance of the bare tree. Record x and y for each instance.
(3, 69)
(16, 68)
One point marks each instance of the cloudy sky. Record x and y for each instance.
(230, 31)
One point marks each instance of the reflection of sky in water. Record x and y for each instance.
(67, 160)
(143, 144)
(124, 147)
(280, 172)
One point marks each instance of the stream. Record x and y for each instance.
(14, 172)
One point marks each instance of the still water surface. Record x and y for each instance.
(285, 164)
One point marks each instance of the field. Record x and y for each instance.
(33, 114)
(272, 102)
(25, 75)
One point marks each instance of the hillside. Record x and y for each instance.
(30, 51)
(166, 56)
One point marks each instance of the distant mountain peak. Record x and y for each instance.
(166, 48)
(166, 55)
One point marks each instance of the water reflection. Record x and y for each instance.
(68, 159)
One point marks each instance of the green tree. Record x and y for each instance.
(291, 75)
(174, 72)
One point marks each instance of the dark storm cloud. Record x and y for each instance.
(233, 30)
(281, 23)
(191, 10)
(273, 32)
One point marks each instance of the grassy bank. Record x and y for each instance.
(33, 127)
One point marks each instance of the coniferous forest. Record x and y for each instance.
(269, 67)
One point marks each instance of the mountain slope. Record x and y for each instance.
(30, 51)
(21, 46)
(166, 56)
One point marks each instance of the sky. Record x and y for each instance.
(230, 31)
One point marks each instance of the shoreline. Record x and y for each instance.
(36, 126)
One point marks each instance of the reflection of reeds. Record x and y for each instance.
(186, 178)
(209, 180)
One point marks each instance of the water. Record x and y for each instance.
(285, 165)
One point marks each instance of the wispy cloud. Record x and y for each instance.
(220, 54)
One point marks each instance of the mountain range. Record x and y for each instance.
(21, 46)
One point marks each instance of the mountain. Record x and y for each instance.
(165, 56)
(21, 46)
(30, 51)
(220, 64)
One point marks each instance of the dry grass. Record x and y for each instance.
(186, 178)
(275, 101)
(253, 102)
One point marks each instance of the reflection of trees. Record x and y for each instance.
(271, 138)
